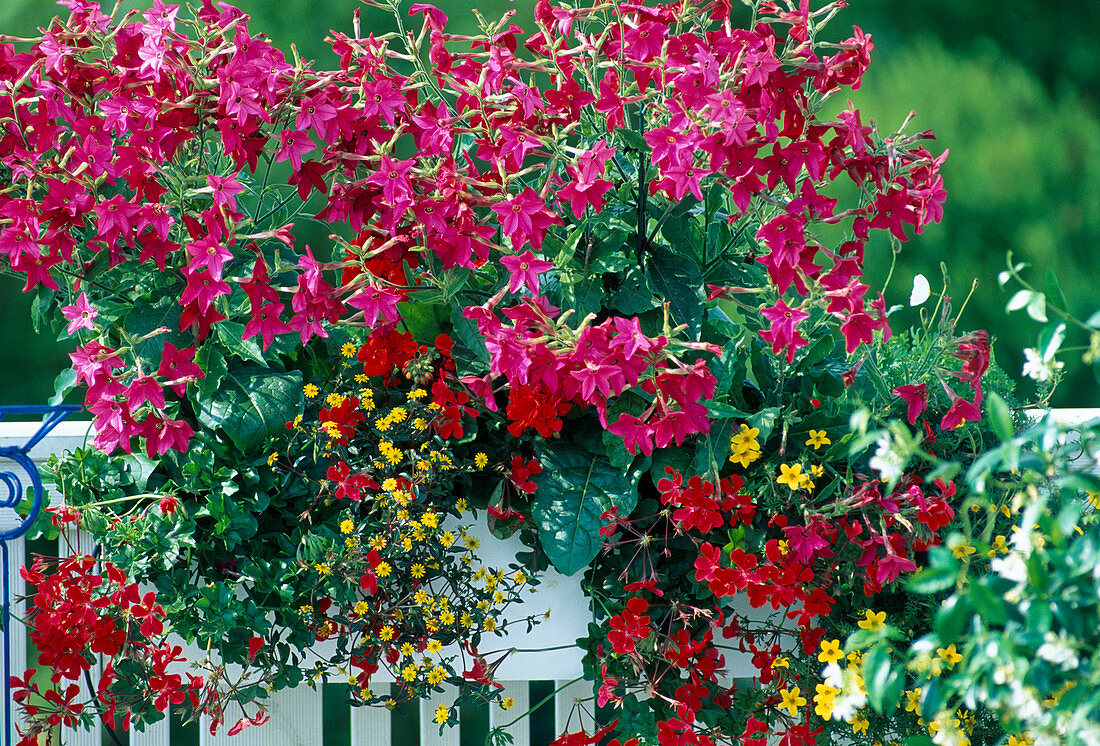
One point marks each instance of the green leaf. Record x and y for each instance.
(471, 357)
(144, 317)
(231, 334)
(881, 680)
(678, 457)
(62, 385)
(676, 279)
(952, 617)
(587, 296)
(1054, 290)
(634, 295)
(575, 487)
(1050, 340)
(765, 420)
(1000, 418)
(932, 580)
(989, 604)
(632, 139)
(251, 404)
(712, 449)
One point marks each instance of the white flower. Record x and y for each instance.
(1036, 369)
(851, 698)
(921, 291)
(1011, 567)
(1059, 650)
(887, 461)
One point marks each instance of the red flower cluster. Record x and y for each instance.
(78, 611)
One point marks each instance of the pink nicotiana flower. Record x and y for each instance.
(915, 395)
(525, 270)
(81, 315)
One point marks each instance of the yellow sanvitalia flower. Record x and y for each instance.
(824, 700)
(362, 607)
(962, 551)
(408, 673)
(792, 700)
(790, 475)
(480, 460)
(417, 570)
(386, 633)
(442, 714)
(347, 349)
(347, 526)
(817, 439)
(310, 390)
(873, 620)
(949, 655)
(435, 646)
(830, 651)
(507, 703)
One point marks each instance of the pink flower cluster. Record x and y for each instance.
(553, 364)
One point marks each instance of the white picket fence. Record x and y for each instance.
(296, 715)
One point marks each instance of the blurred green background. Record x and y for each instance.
(1010, 87)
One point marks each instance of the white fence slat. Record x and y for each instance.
(429, 728)
(370, 726)
(521, 731)
(568, 713)
(295, 721)
(156, 734)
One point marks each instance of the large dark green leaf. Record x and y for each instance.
(471, 357)
(633, 295)
(675, 278)
(251, 404)
(575, 487)
(148, 315)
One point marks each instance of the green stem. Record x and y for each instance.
(543, 701)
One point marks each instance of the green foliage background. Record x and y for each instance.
(1010, 87)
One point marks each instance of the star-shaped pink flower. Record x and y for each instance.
(525, 270)
(81, 315)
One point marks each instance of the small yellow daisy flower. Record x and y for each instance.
(507, 703)
(792, 700)
(417, 570)
(790, 475)
(481, 460)
(442, 714)
(873, 620)
(347, 526)
(347, 350)
(322, 568)
(830, 651)
(310, 390)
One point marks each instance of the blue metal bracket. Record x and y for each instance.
(52, 416)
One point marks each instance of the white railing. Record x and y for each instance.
(296, 716)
